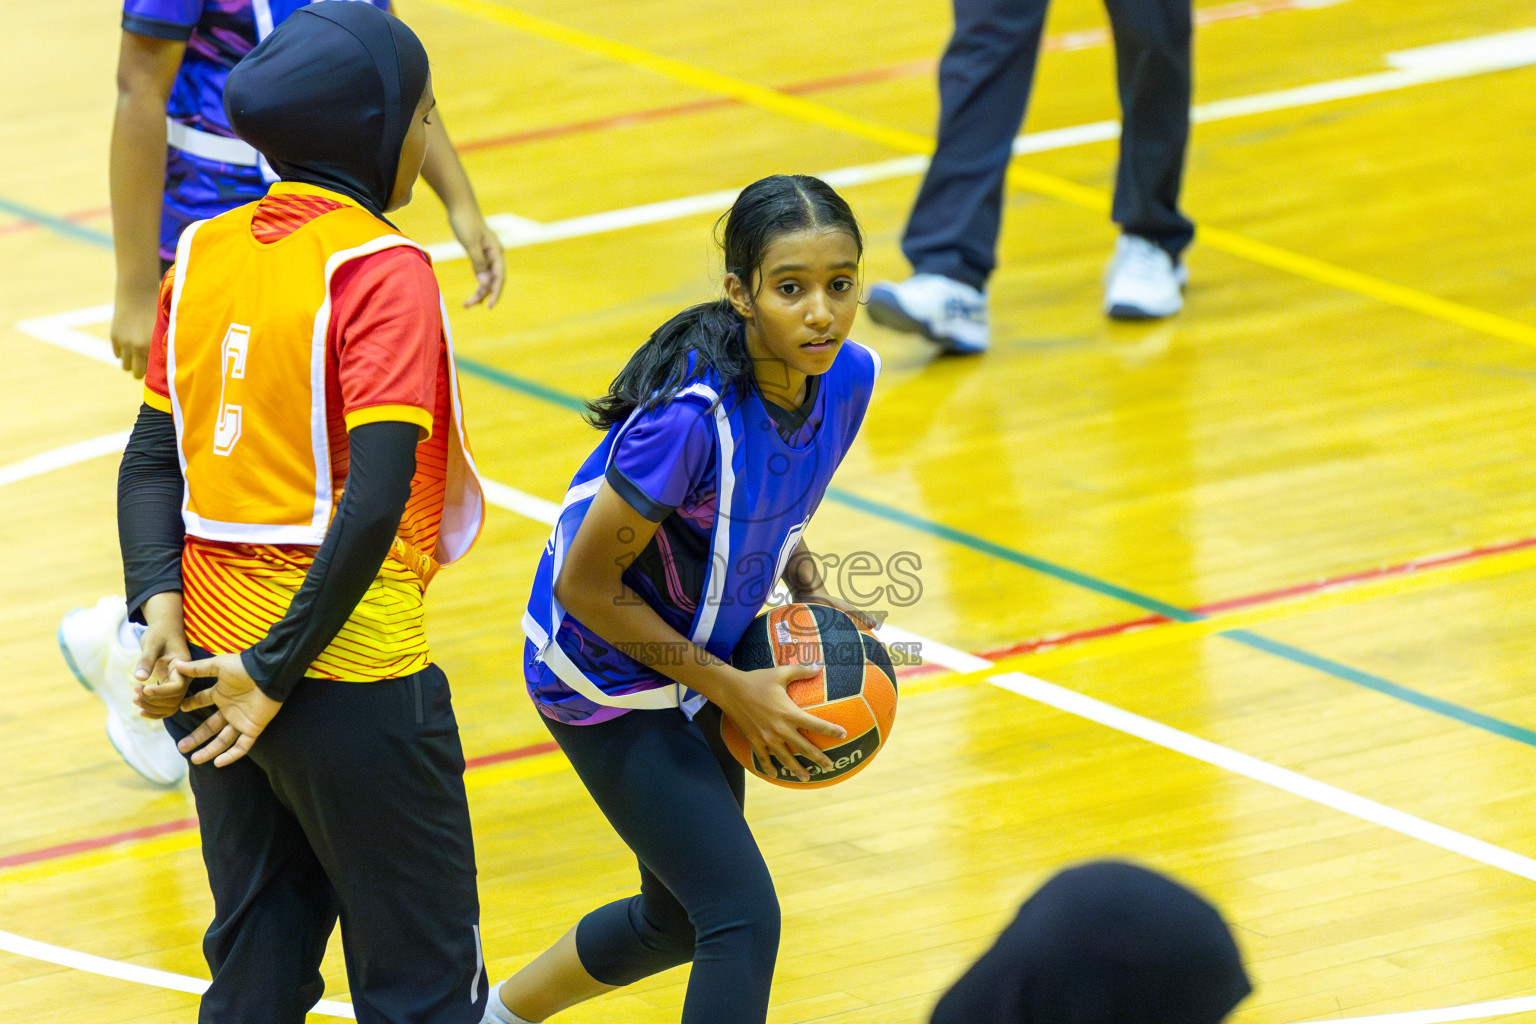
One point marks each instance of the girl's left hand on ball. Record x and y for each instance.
(774, 724)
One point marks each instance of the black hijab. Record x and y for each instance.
(328, 96)
(1104, 943)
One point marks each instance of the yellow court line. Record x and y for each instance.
(1021, 178)
(1122, 643)
(688, 74)
(508, 771)
(1348, 280)
(1285, 608)
(144, 849)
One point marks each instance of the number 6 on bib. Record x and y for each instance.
(226, 432)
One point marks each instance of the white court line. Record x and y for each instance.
(940, 654)
(542, 511)
(1444, 1014)
(1441, 62)
(68, 455)
(1460, 59)
(1262, 771)
(31, 948)
(63, 330)
(1493, 52)
(496, 493)
(513, 500)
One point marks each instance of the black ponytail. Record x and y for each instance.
(659, 369)
(713, 331)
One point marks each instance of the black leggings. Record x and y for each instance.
(674, 794)
(351, 803)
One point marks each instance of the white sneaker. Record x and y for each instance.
(496, 1011)
(1142, 282)
(940, 308)
(91, 642)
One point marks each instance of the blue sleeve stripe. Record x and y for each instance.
(633, 496)
(155, 28)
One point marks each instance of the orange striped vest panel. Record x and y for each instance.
(246, 361)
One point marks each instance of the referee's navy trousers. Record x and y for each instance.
(350, 804)
(984, 82)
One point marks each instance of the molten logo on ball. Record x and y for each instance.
(855, 689)
(845, 759)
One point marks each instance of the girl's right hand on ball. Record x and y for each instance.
(774, 724)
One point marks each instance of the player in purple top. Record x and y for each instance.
(174, 159)
(721, 437)
(663, 463)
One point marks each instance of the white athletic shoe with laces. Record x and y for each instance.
(943, 310)
(1142, 282)
(90, 640)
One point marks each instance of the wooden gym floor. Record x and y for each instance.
(1246, 595)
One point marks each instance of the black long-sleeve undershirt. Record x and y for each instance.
(149, 525)
(378, 485)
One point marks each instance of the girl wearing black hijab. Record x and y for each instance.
(297, 473)
(1104, 943)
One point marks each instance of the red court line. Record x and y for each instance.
(187, 824)
(1062, 42)
(1408, 568)
(74, 218)
(1081, 40)
(1401, 569)
(995, 654)
(696, 107)
(1085, 39)
(84, 845)
(1071, 41)
(512, 755)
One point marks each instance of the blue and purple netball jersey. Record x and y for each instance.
(217, 33)
(730, 480)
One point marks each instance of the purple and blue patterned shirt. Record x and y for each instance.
(705, 575)
(217, 33)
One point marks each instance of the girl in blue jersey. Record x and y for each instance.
(722, 434)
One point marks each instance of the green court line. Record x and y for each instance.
(56, 224)
(1065, 574)
(891, 513)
